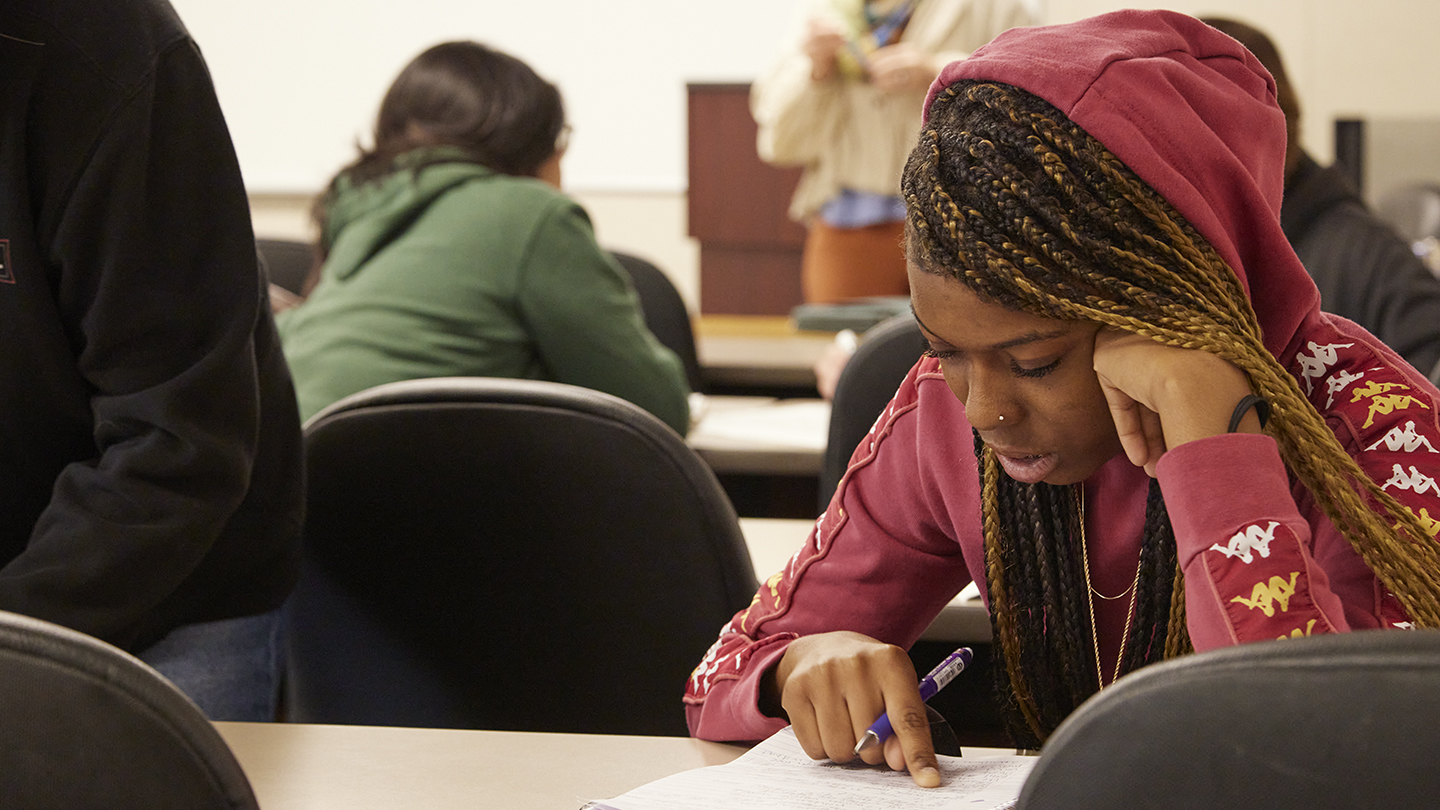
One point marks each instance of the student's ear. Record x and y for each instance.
(549, 171)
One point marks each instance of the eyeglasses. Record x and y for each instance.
(562, 140)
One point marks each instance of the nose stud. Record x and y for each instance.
(1002, 417)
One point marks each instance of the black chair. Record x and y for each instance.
(507, 554)
(1349, 720)
(665, 313)
(287, 263)
(85, 725)
(868, 383)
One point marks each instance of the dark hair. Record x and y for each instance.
(465, 95)
(1011, 198)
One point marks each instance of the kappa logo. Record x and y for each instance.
(1404, 439)
(1339, 382)
(1431, 525)
(1382, 402)
(1299, 632)
(1265, 595)
(1245, 545)
(7, 276)
(1415, 481)
(1314, 366)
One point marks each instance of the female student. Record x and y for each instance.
(450, 251)
(1136, 430)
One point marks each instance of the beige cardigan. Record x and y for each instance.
(847, 134)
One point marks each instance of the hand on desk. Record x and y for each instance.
(832, 363)
(832, 686)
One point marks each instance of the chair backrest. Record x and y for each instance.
(665, 312)
(507, 554)
(287, 262)
(885, 355)
(1349, 720)
(84, 724)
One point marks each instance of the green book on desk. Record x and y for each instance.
(857, 315)
(778, 773)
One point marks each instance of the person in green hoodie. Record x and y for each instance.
(448, 250)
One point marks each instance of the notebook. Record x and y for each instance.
(778, 774)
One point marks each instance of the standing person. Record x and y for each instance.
(150, 465)
(845, 105)
(1364, 270)
(1113, 311)
(450, 251)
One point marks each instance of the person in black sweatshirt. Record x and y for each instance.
(151, 479)
(1364, 270)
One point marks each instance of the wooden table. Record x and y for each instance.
(760, 435)
(757, 351)
(294, 766)
(772, 542)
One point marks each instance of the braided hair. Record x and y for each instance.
(1008, 196)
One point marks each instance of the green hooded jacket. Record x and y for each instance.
(452, 269)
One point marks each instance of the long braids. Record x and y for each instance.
(1009, 197)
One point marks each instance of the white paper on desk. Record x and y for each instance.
(801, 424)
(777, 774)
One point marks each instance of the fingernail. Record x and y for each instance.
(927, 777)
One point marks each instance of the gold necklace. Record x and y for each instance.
(1090, 603)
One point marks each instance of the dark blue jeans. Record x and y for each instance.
(230, 668)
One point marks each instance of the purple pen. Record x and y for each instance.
(941, 675)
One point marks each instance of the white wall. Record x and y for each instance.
(300, 80)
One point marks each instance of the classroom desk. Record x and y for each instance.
(773, 541)
(757, 351)
(294, 766)
(760, 435)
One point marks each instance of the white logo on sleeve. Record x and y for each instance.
(1339, 382)
(1313, 366)
(1405, 439)
(1416, 481)
(1248, 543)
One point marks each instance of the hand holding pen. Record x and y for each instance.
(938, 679)
(831, 686)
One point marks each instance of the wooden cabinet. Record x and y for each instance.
(749, 248)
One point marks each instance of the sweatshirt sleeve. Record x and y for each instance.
(155, 283)
(795, 116)
(1261, 560)
(1243, 545)
(586, 321)
(878, 562)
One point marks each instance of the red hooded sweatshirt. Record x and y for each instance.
(1194, 115)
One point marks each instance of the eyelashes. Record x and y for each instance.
(1015, 368)
(1033, 373)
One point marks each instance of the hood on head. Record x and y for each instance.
(1191, 112)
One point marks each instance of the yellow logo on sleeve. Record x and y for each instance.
(1299, 633)
(1266, 594)
(1382, 402)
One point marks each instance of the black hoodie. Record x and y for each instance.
(1365, 272)
(150, 461)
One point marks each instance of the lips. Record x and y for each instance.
(1027, 469)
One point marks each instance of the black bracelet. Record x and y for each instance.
(1262, 410)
